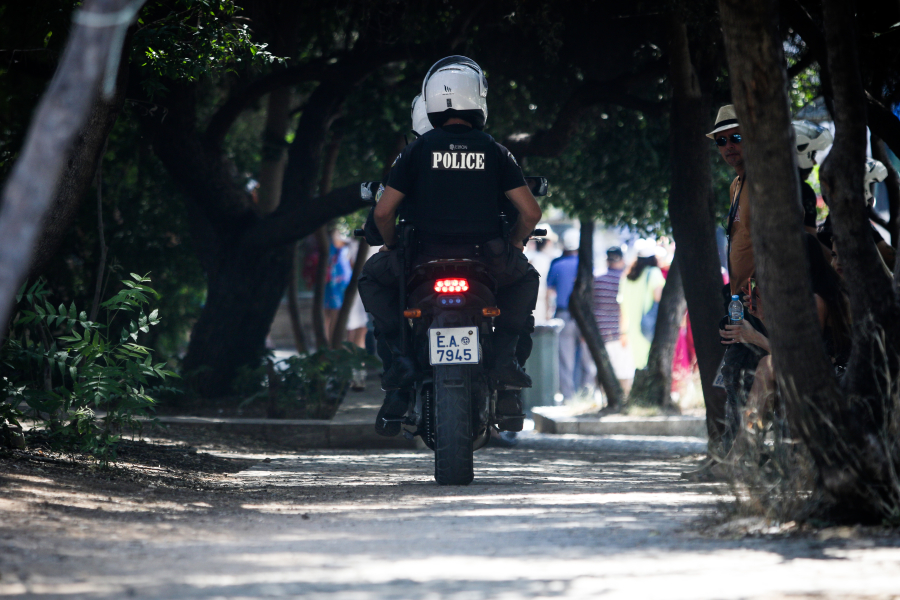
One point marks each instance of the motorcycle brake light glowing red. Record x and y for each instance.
(447, 286)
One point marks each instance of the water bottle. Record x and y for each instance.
(735, 310)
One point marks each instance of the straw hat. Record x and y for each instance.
(726, 119)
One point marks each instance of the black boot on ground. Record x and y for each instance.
(395, 406)
(402, 371)
(509, 410)
(507, 370)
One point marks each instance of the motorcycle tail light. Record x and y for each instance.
(448, 286)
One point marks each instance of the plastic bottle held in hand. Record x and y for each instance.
(735, 310)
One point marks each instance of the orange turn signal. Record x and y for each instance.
(490, 312)
(414, 313)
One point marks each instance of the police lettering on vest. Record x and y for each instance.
(462, 161)
(452, 178)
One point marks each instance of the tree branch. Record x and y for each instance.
(202, 173)
(881, 120)
(285, 226)
(552, 141)
(226, 114)
(317, 69)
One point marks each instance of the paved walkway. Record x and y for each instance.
(556, 517)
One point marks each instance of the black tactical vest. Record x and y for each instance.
(457, 186)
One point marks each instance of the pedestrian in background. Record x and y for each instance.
(638, 290)
(358, 326)
(607, 315)
(560, 283)
(339, 272)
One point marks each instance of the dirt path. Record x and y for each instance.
(556, 517)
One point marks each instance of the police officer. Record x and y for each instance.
(450, 182)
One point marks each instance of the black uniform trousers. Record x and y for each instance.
(517, 283)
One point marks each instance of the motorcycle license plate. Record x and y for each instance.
(453, 345)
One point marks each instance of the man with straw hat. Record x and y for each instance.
(727, 136)
(739, 363)
(740, 359)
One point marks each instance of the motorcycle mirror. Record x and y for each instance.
(368, 191)
(538, 185)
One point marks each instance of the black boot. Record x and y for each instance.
(509, 410)
(395, 405)
(402, 371)
(506, 369)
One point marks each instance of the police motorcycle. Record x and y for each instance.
(449, 305)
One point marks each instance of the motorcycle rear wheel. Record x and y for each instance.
(453, 461)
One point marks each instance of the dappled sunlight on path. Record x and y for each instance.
(554, 517)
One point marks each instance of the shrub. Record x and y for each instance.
(308, 386)
(83, 381)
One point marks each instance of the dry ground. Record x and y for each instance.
(556, 517)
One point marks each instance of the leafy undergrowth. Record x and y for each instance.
(84, 379)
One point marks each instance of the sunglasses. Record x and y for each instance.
(734, 137)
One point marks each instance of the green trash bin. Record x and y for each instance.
(543, 366)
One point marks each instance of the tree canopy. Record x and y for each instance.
(217, 94)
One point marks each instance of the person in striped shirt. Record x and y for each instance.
(606, 313)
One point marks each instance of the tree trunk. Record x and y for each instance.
(101, 234)
(274, 157)
(839, 439)
(294, 305)
(63, 111)
(361, 256)
(581, 304)
(338, 336)
(323, 248)
(693, 223)
(870, 289)
(76, 180)
(323, 245)
(242, 297)
(248, 270)
(880, 153)
(654, 385)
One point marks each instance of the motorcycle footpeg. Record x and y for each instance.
(503, 387)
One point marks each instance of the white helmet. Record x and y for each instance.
(420, 123)
(875, 173)
(456, 86)
(811, 138)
